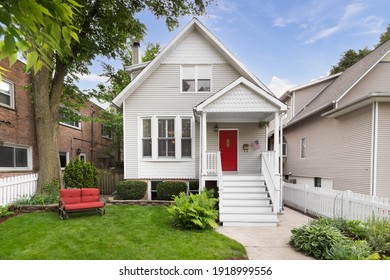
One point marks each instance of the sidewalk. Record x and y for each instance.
(270, 243)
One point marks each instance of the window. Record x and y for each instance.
(195, 78)
(14, 157)
(6, 94)
(166, 137)
(70, 118)
(64, 159)
(83, 157)
(106, 132)
(303, 148)
(186, 144)
(284, 149)
(146, 137)
(317, 182)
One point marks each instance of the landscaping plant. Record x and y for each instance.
(80, 174)
(194, 211)
(50, 195)
(131, 190)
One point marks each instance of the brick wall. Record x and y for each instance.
(17, 125)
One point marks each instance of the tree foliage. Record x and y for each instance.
(350, 57)
(36, 28)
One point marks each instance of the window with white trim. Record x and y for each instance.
(303, 148)
(146, 137)
(7, 94)
(15, 157)
(186, 140)
(166, 138)
(106, 131)
(195, 78)
(70, 118)
(64, 159)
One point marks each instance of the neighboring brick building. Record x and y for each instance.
(18, 146)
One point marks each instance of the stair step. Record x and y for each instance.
(245, 210)
(238, 183)
(244, 217)
(250, 224)
(240, 195)
(243, 178)
(246, 202)
(244, 189)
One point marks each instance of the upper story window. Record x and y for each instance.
(106, 132)
(303, 148)
(195, 78)
(70, 118)
(6, 94)
(15, 157)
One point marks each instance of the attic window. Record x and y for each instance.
(196, 78)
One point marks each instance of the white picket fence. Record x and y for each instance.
(334, 204)
(14, 188)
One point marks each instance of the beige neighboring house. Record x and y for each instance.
(337, 129)
(194, 113)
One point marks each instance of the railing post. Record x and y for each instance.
(305, 198)
(204, 141)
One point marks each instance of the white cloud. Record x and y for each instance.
(93, 78)
(279, 86)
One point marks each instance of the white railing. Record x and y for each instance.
(14, 188)
(211, 167)
(272, 179)
(333, 203)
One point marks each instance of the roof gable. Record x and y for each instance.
(344, 83)
(241, 96)
(194, 25)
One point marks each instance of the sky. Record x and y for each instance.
(284, 43)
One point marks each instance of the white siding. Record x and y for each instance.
(377, 80)
(383, 161)
(194, 49)
(160, 95)
(336, 148)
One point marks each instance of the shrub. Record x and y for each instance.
(349, 250)
(168, 189)
(316, 239)
(193, 211)
(80, 174)
(131, 190)
(4, 211)
(378, 236)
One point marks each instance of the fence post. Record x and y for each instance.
(347, 201)
(305, 198)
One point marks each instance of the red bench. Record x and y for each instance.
(84, 199)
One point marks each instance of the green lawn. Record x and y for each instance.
(124, 233)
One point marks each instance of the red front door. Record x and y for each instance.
(228, 149)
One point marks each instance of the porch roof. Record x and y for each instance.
(240, 101)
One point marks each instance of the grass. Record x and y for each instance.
(124, 233)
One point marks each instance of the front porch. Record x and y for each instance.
(233, 129)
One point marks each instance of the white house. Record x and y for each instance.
(196, 112)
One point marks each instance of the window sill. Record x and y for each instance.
(10, 169)
(70, 126)
(167, 159)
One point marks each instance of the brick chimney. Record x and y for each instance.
(136, 57)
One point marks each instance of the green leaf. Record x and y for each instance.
(9, 43)
(31, 59)
(66, 34)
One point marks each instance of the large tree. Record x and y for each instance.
(104, 27)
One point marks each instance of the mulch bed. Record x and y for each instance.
(3, 219)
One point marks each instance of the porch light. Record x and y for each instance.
(216, 127)
(78, 151)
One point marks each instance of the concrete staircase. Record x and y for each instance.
(244, 201)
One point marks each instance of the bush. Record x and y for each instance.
(168, 189)
(4, 211)
(193, 211)
(316, 239)
(131, 190)
(80, 174)
(349, 250)
(378, 236)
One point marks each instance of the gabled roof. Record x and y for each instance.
(194, 24)
(344, 83)
(261, 93)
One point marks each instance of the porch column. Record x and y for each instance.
(204, 142)
(276, 142)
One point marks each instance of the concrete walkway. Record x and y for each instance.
(270, 243)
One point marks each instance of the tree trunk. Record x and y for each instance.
(46, 130)
(47, 91)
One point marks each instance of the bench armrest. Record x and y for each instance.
(61, 203)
